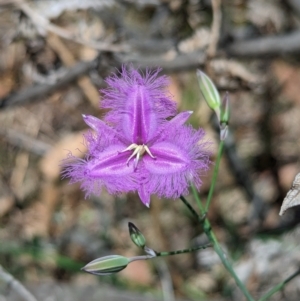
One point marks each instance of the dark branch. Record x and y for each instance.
(180, 62)
(186, 61)
(37, 92)
(275, 45)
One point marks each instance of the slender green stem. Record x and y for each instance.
(212, 238)
(198, 200)
(142, 257)
(160, 254)
(215, 175)
(187, 204)
(279, 286)
(183, 251)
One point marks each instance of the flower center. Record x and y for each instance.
(138, 152)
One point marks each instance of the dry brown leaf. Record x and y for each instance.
(292, 198)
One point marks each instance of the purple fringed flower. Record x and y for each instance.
(140, 145)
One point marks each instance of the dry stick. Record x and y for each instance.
(180, 62)
(215, 28)
(15, 285)
(6, 2)
(68, 59)
(42, 22)
(24, 141)
(37, 92)
(273, 45)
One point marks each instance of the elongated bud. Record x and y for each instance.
(106, 265)
(209, 92)
(136, 236)
(225, 112)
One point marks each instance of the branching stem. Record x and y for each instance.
(279, 286)
(213, 239)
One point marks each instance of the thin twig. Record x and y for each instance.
(215, 28)
(15, 285)
(42, 22)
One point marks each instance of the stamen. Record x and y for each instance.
(130, 147)
(138, 152)
(148, 151)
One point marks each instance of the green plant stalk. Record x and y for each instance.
(169, 253)
(214, 177)
(198, 201)
(182, 251)
(279, 286)
(213, 239)
(188, 205)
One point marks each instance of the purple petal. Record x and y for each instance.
(106, 169)
(176, 121)
(141, 122)
(180, 160)
(180, 118)
(169, 159)
(144, 195)
(103, 129)
(139, 104)
(111, 162)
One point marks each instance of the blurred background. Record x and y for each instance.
(54, 57)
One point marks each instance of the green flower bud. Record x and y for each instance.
(136, 236)
(106, 265)
(209, 92)
(225, 110)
